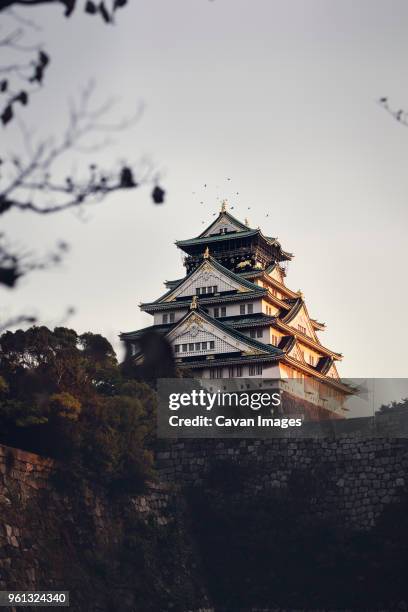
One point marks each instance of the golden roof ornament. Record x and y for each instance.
(194, 303)
(206, 254)
(224, 206)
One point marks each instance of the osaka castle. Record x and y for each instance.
(233, 316)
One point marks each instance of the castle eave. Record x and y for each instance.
(220, 299)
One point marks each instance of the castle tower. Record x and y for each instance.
(233, 316)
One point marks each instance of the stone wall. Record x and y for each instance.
(140, 552)
(106, 551)
(352, 478)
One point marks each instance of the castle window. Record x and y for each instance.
(275, 340)
(231, 372)
(249, 309)
(302, 329)
(212, 344)
(203, 346)
(207, 290)
(311, 360)
(216, 312)
(255, 370)
(164, 318)
(259, 333)
(219, 372)
(212, 373)
(171, 317)
(223, 311)
(191, 346)
(239, 371)
(184, 347)
(197, 346)
(176, 348)
(252, 333)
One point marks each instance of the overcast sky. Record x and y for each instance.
(280, 97)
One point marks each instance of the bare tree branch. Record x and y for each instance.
(91, 7)
(399, 115)
(32, 183)
(29, 72)
(33, 178)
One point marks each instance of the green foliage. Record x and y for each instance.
(64, 405)
(114, 442)
(64, 395)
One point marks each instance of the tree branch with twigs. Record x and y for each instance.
(106, 10)
(399, 115)
(24, 73)
(34, 180)
(32, 183)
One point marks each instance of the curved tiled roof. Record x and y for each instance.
(232, 275)
(266, 348)
(204, 240)
(234, 297)
(287, 343)
(246, 321)
(230, 218)
(294, 306)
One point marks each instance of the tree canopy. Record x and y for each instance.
(64, 395)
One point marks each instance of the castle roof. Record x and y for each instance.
(165, 301)
(226, 329)
(225, 216)
(244, 265)
(230, 229)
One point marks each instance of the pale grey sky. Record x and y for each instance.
(281, 98)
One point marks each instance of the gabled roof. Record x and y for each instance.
(266, 349)
(225, 216)
(239, 230)
(217, 267)
(296, 305)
